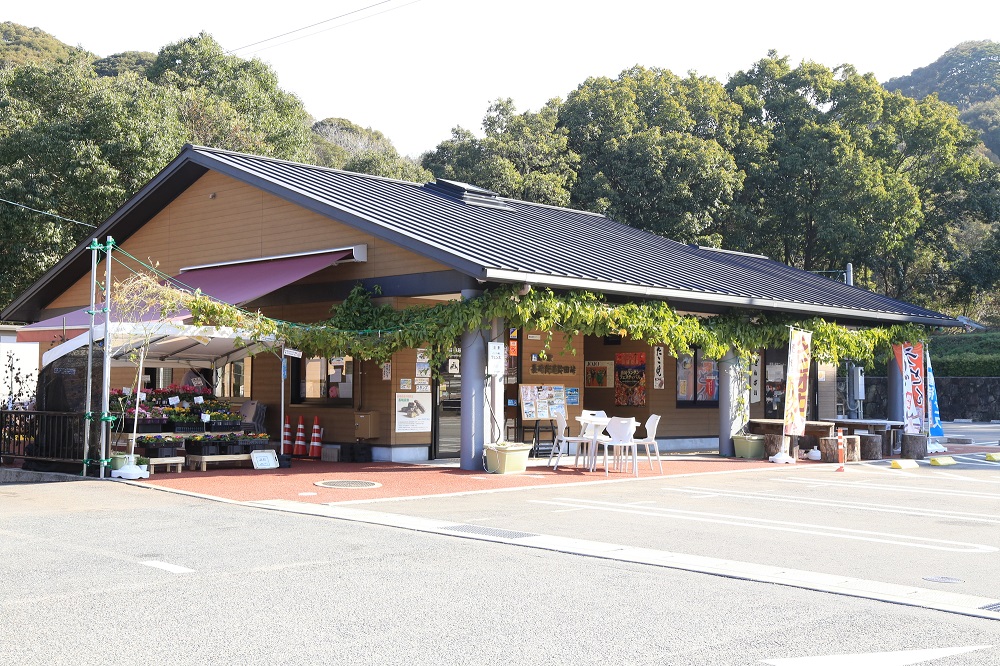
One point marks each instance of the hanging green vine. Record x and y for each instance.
(364, 329)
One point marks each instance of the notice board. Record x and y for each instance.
(542, 401)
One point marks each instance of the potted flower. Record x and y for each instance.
(506, 457)
(142, 462)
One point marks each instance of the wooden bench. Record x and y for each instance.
(169, 462)
(195, 461)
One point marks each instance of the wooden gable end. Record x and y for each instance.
(219, 219)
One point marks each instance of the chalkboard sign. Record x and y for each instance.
(266, 459)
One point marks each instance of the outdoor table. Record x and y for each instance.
(777, 426)
(851, 426)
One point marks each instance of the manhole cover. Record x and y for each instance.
(348, 483)
(943, 579)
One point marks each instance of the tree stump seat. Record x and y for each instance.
(852, 448)
(914, 447)
(871, 447)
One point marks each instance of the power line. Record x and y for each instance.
(292, 32)
(42, 212)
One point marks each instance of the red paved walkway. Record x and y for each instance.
(404, 480)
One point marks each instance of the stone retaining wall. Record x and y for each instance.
(976, 398)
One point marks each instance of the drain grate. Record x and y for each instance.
(489, 531)
(943, 579)
(991, 607)
(348, 483)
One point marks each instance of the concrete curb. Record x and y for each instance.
(14, 475)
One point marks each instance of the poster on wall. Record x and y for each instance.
(708, 379)
(774, 390)
(599, 374)
(542, 401)
(630, 379)
(797, 381)
(412, 413)
(685, 377)
(658, 382)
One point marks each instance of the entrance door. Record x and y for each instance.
(447, 435)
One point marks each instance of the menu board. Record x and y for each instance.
(542, 401)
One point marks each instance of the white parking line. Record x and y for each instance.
(845, 504)
(780, 525)
(172, 568)
(903, 489)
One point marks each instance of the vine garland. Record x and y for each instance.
(366, 330)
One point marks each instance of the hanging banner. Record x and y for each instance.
(658, 382)
(910, 358)
(934, 425)
(797, 381)
(755, 380)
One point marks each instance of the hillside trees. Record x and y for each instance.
(522, 155)
(77, 145)
(839, 170)
(655, 150)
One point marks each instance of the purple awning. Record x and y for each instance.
(234, 283)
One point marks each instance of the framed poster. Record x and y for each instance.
(630, 379)
(412, 414)
(599, 374)
(685, 378)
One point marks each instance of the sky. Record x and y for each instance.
(415, 69)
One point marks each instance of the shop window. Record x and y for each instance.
(322, 380)
(697, 381)
(232, 379)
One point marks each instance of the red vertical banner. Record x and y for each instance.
(910, 358)
(797, 381)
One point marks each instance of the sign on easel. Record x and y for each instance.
(266, 459)
(542, 401)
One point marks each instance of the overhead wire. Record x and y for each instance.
(313, 25)
(42, 212)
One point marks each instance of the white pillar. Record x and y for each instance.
(734, 401)
(473, 392)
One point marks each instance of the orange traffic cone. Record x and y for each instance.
(286, 437)
(316, 443)
(300, 439)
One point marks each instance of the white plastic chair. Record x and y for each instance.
(620, 431)
(650, 441)
(561, 441)
(588, 447)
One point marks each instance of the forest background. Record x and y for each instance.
(812, 166)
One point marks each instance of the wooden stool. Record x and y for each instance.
(852, 449)
(871, 447)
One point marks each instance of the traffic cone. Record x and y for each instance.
(300, 439)
(286, 437)
(316, 443)
(840, 448)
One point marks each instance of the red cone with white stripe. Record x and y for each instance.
(316, 443)
(300, 439)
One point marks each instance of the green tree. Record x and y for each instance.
(522, 155)
(128, 61)
(77, 145)
(237, 103)
(20, 45)
(965, 75)
(655, 150)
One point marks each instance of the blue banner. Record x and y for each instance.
(935, 429)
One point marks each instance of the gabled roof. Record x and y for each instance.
(495, 239)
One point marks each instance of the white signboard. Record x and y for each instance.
(412, 412)
(264, 459)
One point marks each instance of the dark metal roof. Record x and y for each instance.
(495, 239)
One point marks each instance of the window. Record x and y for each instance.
(697, 381)
(232, 379)
(323, 380)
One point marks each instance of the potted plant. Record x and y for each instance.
(506, 457)
(142, 462)
(748, 445)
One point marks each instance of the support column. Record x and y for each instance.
(894, 391)
(734, 401)
(473, 392)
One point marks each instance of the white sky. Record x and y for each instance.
(413, 69)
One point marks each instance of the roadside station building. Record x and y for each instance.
(292, 240)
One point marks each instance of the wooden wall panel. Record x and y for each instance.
(243, 222)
